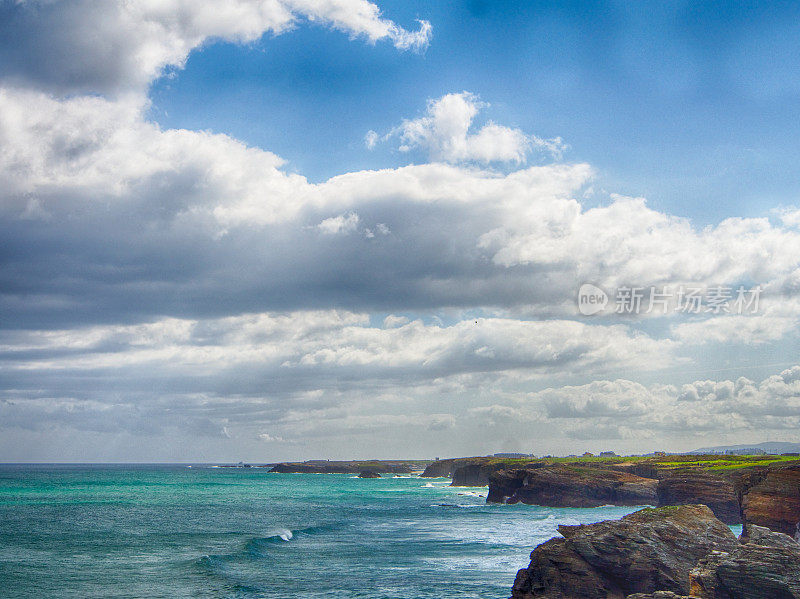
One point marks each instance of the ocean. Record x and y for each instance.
(176, 531)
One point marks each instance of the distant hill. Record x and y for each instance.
(771, 447)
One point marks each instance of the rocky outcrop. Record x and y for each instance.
(469, 472)
(766, 496)
(647, 551)
(368, 474)
(472, 475)
(765, 566)
(665, 553)
(643, 469)
(476, 474)
(438, 469)
(688, 486)
(771, 498)
(570, 486)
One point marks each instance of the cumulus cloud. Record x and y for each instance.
(344, 223)
(319, 341)
(295, 375)
(790, 217)
(115, 47)
(183, 204)
(622, 408)
(199, 280)
(445, 133)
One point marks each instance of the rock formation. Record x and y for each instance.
(688, 486)
(571, 486)
(665, 553)
(476, 474)
(771, 498)
(650, 550)
(438, 469)
(765, 495)
(368, 474)
(765, 566)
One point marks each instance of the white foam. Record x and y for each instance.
(472, 494)
(285, 534)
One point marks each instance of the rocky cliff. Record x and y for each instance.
(771, 498)
(470, 472)
(765, 566)
(477, 474)
(665, 553)
(439, 469)
(687, 486)
(766, 496)
(650, 550)
(571, 486)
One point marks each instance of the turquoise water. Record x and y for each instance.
(173, 531)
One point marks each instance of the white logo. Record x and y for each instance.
(591, 299)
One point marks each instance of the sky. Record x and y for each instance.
(271, 230)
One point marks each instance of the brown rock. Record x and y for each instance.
(774, 501)
(570, 486)
(438, 469)
(690, 486)
(765, 566)
(647, 551)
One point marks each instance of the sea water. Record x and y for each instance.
(203, 531)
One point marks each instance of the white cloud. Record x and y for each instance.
(92, 165)
(303, 349)
(213, 239)
(627, 243)
(344, 223)
(274, 376)
(751, 330)
(371, 139)
(392, 321)
(790, 217)
(626, 409)
(359, 17)
(444, 132)
(119, 47)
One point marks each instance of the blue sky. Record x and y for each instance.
(280, 229)
(691, 105)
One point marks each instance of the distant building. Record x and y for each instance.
(588, 455)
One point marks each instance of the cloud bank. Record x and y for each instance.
(181, 284)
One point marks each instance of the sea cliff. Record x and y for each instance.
(681, 552)
(759, 490)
